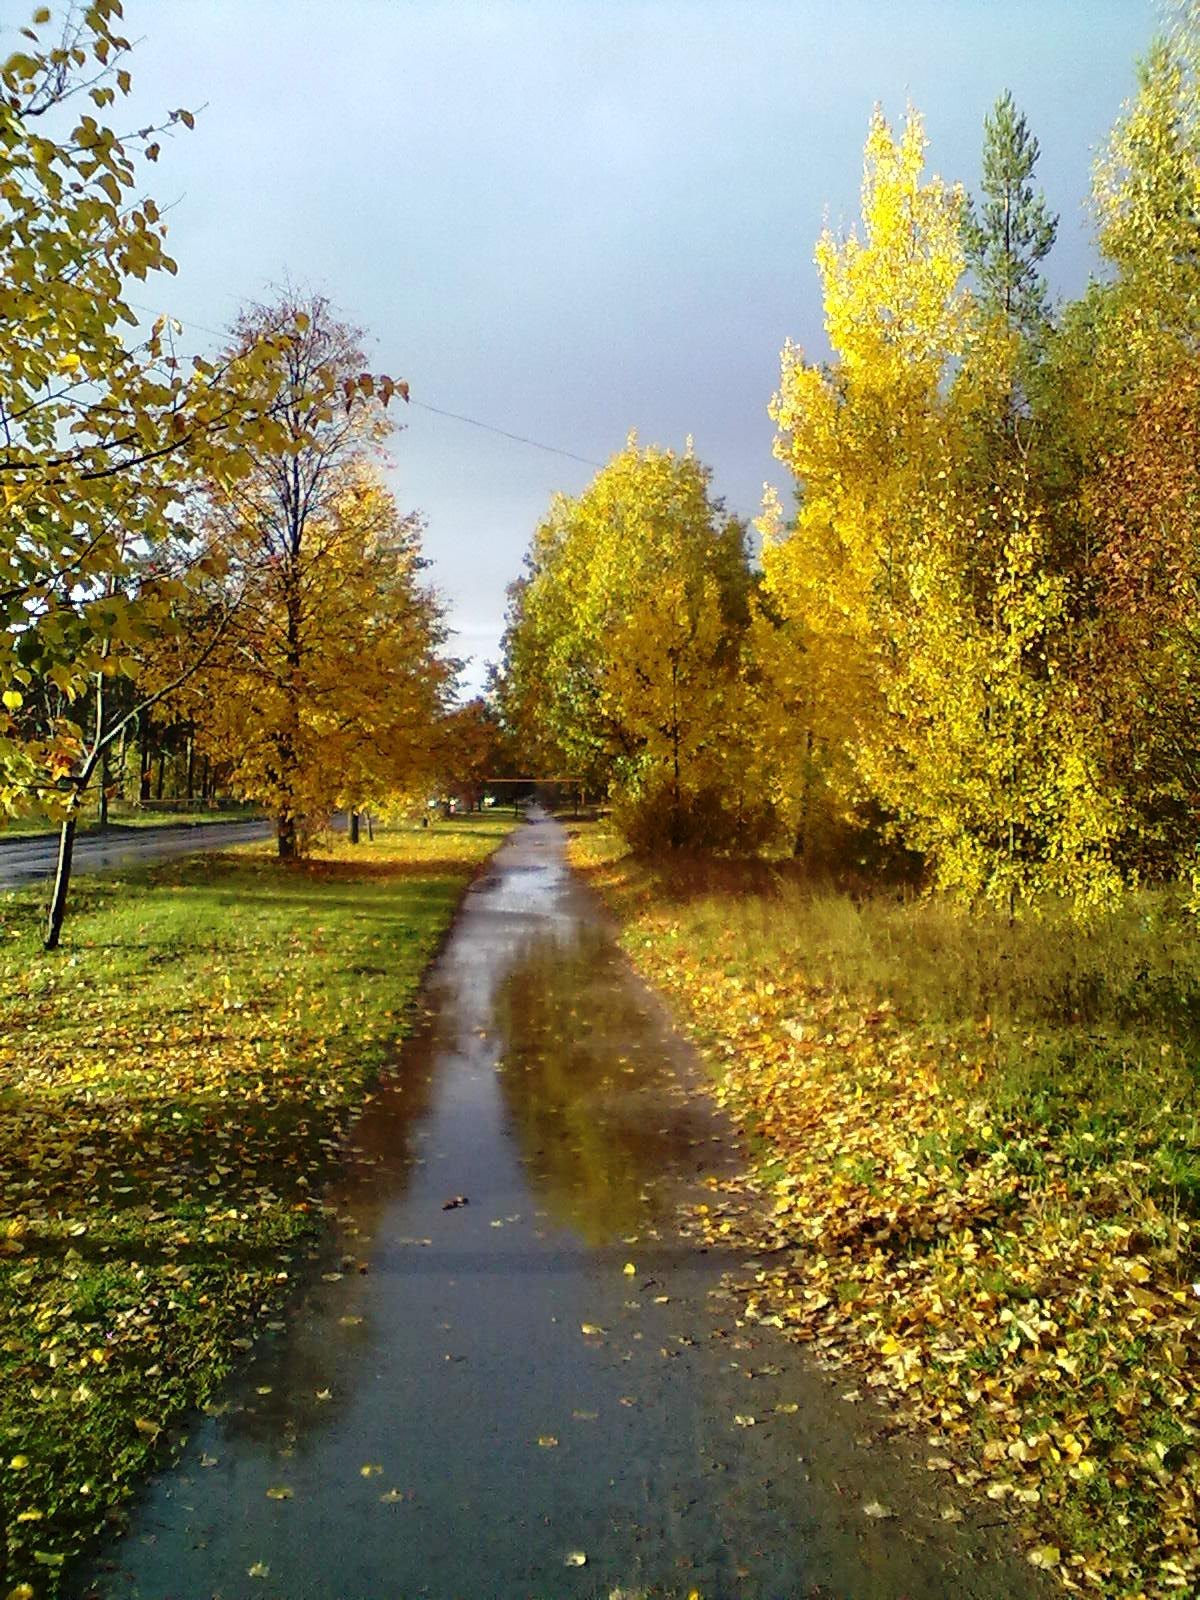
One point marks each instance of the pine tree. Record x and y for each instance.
(1012, 232)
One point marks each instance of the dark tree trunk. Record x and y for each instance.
(289, 847)
(353, 825)
(62, 882)
(144, 758)
(191, 761)
(104, 788)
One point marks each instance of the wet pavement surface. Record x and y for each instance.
(27, 860)
(468, 1401)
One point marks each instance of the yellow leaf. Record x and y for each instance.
(1045, 1556)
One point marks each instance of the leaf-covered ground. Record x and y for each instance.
(978, 1172)
(174, 1084)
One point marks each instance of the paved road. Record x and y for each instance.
(26, 860)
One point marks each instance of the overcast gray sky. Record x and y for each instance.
(572, 219)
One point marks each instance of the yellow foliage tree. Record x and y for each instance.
(327, 682)
(624, 650)
(862, 438)
(328, 685)
(916, 587)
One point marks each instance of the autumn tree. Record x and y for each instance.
(329, 679)
(624, 648)
(471, 748)
(104, 432)
(1137, 499)
(306, 535)
(914, 585)
(862, 437)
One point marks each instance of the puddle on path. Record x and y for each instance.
(442, 1423)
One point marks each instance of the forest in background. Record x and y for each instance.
(969, 650)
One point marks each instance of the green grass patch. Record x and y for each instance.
(174, 1084)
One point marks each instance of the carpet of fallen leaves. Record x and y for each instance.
(175, 1084)
(1027, 1307)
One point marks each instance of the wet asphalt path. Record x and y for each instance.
(27, 860)
(544, 1391)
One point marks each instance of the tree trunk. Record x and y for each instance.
(353, 825)
(371, 826)
(144, 758)
(62, 882)
(191, 761)
(104, 788)
(286, 834)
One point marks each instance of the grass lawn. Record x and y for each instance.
(978, 1170)
(173, 1084)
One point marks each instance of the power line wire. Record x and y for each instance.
(520, 438)
(424, 405)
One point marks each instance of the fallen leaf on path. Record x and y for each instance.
(874, 1509)
(1046, 1556)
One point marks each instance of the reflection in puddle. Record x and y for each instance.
(471, 1395)
(600, 1115)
